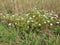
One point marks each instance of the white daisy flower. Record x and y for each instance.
(57, 22)
(13, 15)
(48, 21)
(51, 24)
(45, 22)
(27, 14)
(9, 24)
(28, 21)
(39, 24)
(4, 16)
(44, 15)
(30, 18)
(33, 16)
(15, 23)
(52, 17)
(56, 15)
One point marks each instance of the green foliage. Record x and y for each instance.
(7, 35)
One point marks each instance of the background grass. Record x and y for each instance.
(17, 6)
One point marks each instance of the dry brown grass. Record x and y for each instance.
(17, 6)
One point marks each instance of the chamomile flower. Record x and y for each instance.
(51, 24)
(57, 22)
(48, 21)
(3, 16)
(28, 21)
(45, 16)
(33, 16)
(45, 22)
(13, 15)
(27, 14)
(39, 24)
(15, 23)
(52, 17)
(10, 24)
(30, 18)
(56, 15)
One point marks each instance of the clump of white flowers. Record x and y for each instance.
(34, 17)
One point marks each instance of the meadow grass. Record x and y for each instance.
(13, 37)
(29, 22)
(34, 27)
